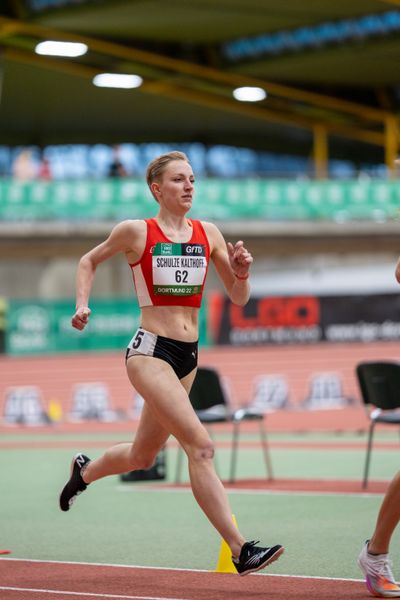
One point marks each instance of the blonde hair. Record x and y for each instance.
(156, 168)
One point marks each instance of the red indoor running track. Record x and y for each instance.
(37, 580)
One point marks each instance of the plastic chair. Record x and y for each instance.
(380, 390)
(208, 400)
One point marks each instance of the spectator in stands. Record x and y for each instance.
(169, 257)
(374, 558)
(116, 168)
(44, 171)
(24, 168)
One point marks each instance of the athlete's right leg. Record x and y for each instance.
(140, 454)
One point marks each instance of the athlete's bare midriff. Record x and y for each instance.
(175, 322)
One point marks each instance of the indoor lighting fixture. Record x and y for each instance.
(117, 80)
(249, 94)
(52, 48)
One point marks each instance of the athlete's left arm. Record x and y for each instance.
(232, 263)
(397, 272)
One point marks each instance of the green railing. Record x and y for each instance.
(215, 199)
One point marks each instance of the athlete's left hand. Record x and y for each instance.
(240, 258)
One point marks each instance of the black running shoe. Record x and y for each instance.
(253, 558)
(75, 485)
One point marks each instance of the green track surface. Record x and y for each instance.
(125, 523)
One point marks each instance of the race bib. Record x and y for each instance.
(178, 269)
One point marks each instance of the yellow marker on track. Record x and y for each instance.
(225, 564)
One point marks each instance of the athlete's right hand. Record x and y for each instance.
(81, 317)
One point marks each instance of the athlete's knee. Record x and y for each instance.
(142, 460)
(201, 451)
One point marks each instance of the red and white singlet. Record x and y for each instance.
(170, 273)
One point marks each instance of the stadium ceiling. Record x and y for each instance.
(331, 72)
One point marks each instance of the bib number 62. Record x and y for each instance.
(181, 276)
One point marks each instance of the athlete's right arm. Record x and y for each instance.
(125, 237)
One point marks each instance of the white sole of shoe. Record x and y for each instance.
(271, 559)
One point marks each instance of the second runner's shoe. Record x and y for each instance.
(378, 574)
(75, 485)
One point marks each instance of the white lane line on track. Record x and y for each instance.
(253, 492)
(92, 564)
(89, 594)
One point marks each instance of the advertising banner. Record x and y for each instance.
(306, 319)
(40, 327)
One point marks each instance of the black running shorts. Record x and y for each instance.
(182, 356)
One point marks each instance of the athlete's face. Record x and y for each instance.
(176, 188)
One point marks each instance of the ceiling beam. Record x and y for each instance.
(198, 71)
(201, 98)
(8, 29)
